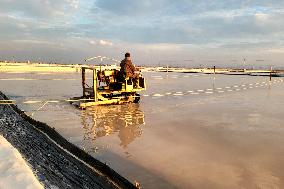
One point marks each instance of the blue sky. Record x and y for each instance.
(220, 32)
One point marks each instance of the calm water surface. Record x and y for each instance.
(229, 139)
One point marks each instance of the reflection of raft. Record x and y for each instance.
(108, 87)
(124, 122)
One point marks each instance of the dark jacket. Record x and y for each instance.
(127, 68)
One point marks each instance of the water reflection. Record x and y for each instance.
(126, 120)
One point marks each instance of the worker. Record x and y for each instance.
(127, 69)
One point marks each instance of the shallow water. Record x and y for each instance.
(188, 131)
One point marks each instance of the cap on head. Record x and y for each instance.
(127, 54)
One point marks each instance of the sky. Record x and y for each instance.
(155, 32)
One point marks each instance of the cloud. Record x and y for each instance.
(261, 16)
(105, 43)
(101, 42)
(156, 28)
(129, 7)
(74, 3)
(38, 8)
(179, 7)
(187, 22)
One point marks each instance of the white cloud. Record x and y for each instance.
(40, 9)
(105, 43)
(261, 17)
(74, 3)
(101, 42)
(41, 42)
(92, 42)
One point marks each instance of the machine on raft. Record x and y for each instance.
(108, 87)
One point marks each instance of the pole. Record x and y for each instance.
(270, 76)
(95, 84)
(244, 64)
(83, 81)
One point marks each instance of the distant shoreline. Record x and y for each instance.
(62, 68)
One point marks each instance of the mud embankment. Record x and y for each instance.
(55, 162)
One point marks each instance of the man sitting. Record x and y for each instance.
(127, 70)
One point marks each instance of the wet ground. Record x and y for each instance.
(188, 131)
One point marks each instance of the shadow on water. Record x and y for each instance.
(126, 120)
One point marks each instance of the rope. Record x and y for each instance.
(32, 114)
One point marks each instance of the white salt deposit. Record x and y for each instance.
(14, 171)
